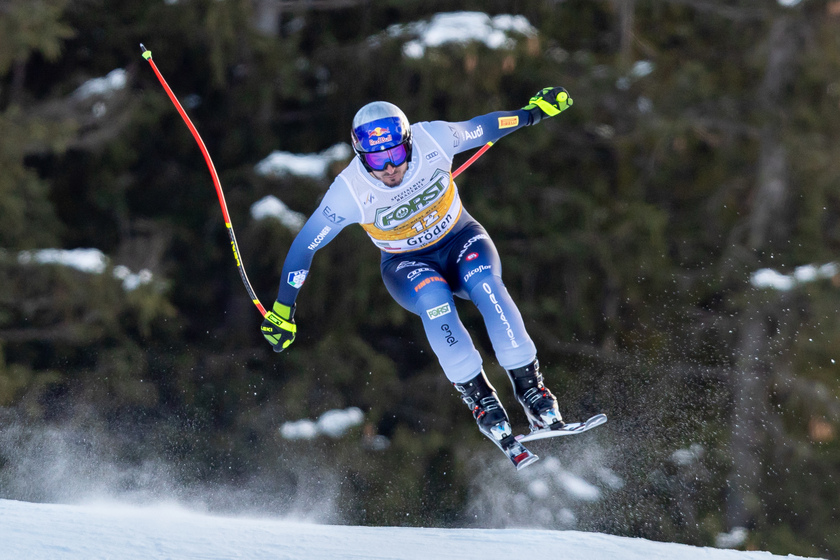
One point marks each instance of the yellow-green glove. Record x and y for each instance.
(548, 102)
(279, 327)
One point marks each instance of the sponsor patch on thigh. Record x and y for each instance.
(439, 311)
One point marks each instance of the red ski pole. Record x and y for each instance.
(470, 161)
(147, 54)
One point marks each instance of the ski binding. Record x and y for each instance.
(502, 435)
(571, 428)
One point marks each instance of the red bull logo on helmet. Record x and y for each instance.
(378, 141)
(379, 135)
(378, 131)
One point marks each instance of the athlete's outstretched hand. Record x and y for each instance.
(279, 327)
(548, 102)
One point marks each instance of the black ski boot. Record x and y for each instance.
(539, 404)
(488, 412)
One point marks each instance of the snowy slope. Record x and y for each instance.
(99, 531)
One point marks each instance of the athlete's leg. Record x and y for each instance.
(420, 288)
(511, 343)
(479, 274)
(476, 262)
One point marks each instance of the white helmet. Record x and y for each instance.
(377, 127)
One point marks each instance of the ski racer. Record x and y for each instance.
(400, 190)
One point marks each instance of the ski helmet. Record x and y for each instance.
(378, 127)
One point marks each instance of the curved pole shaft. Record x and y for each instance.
(147, 54)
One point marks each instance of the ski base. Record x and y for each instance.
(569, 429)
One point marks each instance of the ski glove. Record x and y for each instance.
(548, 102)
(279, 327)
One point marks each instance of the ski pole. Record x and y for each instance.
(147, 54)
(470, 161)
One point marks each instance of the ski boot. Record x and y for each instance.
(539, 404)
(492, 419)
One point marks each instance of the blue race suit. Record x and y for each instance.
(432, 249)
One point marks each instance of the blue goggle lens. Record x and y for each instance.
(377, 161)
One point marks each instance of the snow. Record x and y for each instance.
(272, 207)
(108, 530)
(132, 281)
(282, 164)
(690, 456)
(609, 478)
(299, 429)
(734, 538)
(333, 423)
(578, 487)
(92, 261)
(115, 80)
(461, 28)
(769, 278)
(552, 469)
(641, 68)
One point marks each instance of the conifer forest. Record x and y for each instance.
(672, 241)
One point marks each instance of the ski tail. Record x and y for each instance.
(518, 454)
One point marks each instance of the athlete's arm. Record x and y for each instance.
(457, 137)
(337, 210)
(279, 327)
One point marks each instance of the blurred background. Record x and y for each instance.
(672, 242)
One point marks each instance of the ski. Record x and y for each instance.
(521, 456)
(571, 428)
(518, 454)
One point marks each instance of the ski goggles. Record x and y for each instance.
(377, 161)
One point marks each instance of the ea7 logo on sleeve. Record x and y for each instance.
(456, 138)
(332, 216)
(439, 311)
(297, 278)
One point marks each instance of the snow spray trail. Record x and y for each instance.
(81, 464)
(549, 494)
(605, 480)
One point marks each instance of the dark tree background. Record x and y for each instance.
(702, 147)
